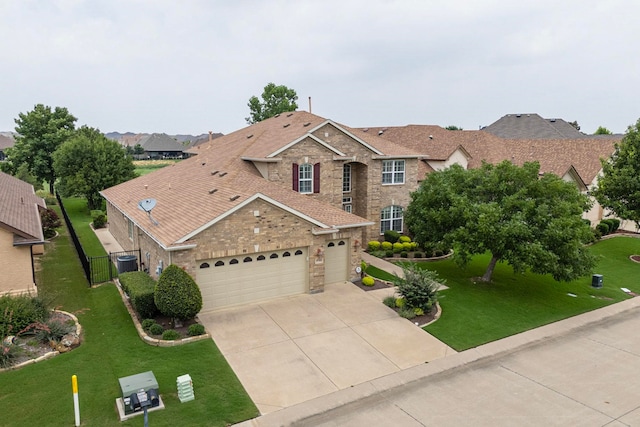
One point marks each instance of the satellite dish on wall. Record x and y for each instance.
(147, 205)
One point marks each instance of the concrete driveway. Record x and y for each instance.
(295, 349)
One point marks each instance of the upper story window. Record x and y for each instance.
(391, 219)
(306, 178)
(130, 228)
(393, 171)
(346, 178)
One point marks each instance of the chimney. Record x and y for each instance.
(210, 135)
(309, 104)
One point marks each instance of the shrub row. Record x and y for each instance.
(140, 287)
(608, 226)
(19, 311)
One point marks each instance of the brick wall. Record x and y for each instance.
(15, 265)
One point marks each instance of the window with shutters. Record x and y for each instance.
(306, 178)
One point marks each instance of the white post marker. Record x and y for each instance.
(76, 406)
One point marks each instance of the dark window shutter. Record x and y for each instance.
(316, 178)
(295, 176)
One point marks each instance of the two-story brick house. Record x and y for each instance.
(277, 208)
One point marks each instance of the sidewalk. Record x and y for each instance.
(381, 264)
(107, 240)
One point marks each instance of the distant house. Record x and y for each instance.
(5, 142)
(20, 235)
(161, 146)
(533, 126)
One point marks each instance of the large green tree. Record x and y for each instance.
(275, 100)
(528, 220)
(618, 187)
(88, 163)
(40, 133)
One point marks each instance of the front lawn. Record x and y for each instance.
(477, 313)
(41, 394)
(80, 216)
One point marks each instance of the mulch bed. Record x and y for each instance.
(635, 258)
(379, 284)
(166, 324)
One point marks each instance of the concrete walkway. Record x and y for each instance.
(579, 371)
(381, 264)
(294, 349)
(109, 242)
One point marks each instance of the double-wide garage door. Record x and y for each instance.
(243, 279)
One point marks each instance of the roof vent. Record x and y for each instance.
(277, 115)
(214, 173)
(306, 124)
(234, 198)
(430, 136)
(518, 115)
(365, 130)
(223, 174)
(250, 136)
(552, 120)
(290, 114)
(286, 125)
(213, 190)
(204, 163)
(380, 132)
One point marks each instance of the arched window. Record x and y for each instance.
(298, 252)
(391, 219)
(219, 264)
(272, 256)
(341, 243)
(260, 258)
(233, 261)
(247, 259)
(204, 265)
(286, 254)
(331, 244)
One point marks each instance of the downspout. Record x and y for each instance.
(33, 267)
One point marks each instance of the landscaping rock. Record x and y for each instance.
(70, 340)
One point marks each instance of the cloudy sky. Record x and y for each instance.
(190, 66)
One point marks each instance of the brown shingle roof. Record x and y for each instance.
(6, 142)
(19, 210)
(192, 193)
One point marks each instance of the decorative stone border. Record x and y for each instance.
(433, 258)
(146, 338)
(435, 316)
(631, 258)
(50, 354)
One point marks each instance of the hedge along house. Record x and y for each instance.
(278, 208)
(20, 235)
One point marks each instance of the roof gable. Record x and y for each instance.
(19, 209)
(532, 126)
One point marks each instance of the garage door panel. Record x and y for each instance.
(336, 264)
(244, 282)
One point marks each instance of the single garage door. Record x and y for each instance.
(336, 261)
(249, 278)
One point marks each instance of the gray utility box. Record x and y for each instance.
(127, 263)
(596, 281)
(139, 391)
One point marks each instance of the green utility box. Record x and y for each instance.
(139, 391)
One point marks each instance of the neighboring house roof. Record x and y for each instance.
(556, 156)
(19, 210)
(160, 142)
(6, 142)
(532, 126)
(195, 193)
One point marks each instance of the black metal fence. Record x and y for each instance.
(104, 268)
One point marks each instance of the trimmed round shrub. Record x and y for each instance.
(386, 246)
(368, 281)
(373, 245)
(603, 228)
(400, 302)
(616, 224)
(99, 221)
(388, 254)
(146, 324)
(156, 329)
(170, 335)
(414, 246)
(195, 330)
(418, 255)
(177, 295)
(404, 254)
(391, 236)
(398, 247)
(418, 311)
(404, 239)
(407, 246)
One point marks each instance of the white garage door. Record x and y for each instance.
(249, 278)
(336, 261)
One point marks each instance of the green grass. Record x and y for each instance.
(477, 313)
(40, 394)
(80, 216)
(379, 274)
